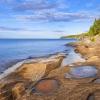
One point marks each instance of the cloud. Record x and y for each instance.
(8, 1)
(45, 10)
(56, 16)
(33, 5)
(3, 28)
(58, 31)
(28, 5)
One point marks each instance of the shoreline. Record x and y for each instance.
(33, 71)
(14, 66)
(17, 63)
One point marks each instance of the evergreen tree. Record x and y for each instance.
(95, 28)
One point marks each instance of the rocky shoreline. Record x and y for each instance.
(25, 73)
(45, 79)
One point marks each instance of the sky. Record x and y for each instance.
(46, 18)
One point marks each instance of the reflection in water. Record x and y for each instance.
(12, 50)
(82, 72)
(72, 57)
(97, 80)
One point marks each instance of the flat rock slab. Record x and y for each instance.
(35, 71)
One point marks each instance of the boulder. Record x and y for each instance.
(32, 71)
(35, 71)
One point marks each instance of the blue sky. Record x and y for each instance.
(46, 18)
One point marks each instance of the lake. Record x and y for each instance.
(12, 50)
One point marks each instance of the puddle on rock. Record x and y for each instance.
(91, 97)
(72, 57)
(82, 72)
(46, 86)
(97, 81)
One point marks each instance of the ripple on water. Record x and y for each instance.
(82, 72)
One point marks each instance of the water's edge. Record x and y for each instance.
(70, 58)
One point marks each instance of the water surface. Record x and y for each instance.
(12, 50)
(82, 72)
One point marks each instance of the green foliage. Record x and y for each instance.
(79, 36)
(71, 36)
(95, 28)
(92, 39)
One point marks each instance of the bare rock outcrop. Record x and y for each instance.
(17, 84)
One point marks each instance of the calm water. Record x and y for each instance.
(12, 50)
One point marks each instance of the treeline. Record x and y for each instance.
(94, 30)
(72, 36)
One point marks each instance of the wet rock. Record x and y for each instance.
(82, 72)
(46, 86)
